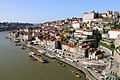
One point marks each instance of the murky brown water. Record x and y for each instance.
(16, 65)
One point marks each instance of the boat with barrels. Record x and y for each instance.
(37, 57)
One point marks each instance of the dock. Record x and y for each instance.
(50, 56)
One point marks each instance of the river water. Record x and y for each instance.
(16, 65)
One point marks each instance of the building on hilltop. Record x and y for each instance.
(108, 14)
(89, 16)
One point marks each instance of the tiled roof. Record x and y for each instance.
(72, 46)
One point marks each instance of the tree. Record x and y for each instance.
(66, 38)
(96, 35)
(112, 45)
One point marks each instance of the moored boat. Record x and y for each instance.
(31, 54)
(37, 57)
(76, 74)
(6, 37)
(17, 44)
(61, 64)
(23, 47)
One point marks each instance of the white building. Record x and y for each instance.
(99, 20)
(117, 41)
(87, 33)
(76, 25)
(82, 33)
(104, 15)
(26, 30)
(105, 36)
(113, 34)
(88, 16)
(107, 14)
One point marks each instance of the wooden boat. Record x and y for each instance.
(23, 47)
(61, 64)
(38, 58)
(76, 74)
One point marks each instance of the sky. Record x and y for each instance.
(38, 11)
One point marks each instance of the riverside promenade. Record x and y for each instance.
(89, 76)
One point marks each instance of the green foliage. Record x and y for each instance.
(111, 47)
(116, 27)
(68, 30)
(96, 35)
(66, 38)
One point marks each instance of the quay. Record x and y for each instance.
(50, 56)
(89, 76)
(40, 51)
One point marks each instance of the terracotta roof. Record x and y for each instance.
(78, 29)
(107, 19)
(118, 30)
(99, 55)
(76, 22)
(72, 46)
(83, 44)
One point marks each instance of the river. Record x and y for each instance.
(16, 65)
